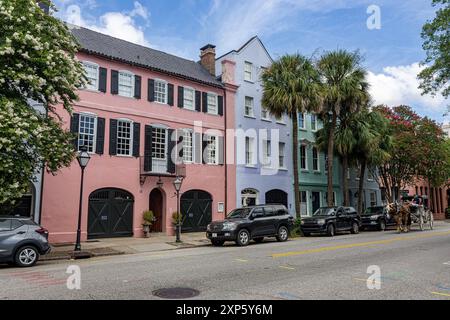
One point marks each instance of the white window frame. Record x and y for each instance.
(313, 129)
(267, 153)
(374, 194)
(130, 150)
(88, 85)
(251, 107)
(94, 140)
(184, 98)
(249, 193)
(267, 117)
(160, 162)
(166, 91)
(304, 120)
(191, 146)
(318, 159)
(248, 72)
(306, 157)
(209, 151)
(212, 94)
(250, 152)
(127, 73)
(282, 154)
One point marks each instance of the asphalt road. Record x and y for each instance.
(412, 266)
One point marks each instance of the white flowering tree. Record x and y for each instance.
(37, 62)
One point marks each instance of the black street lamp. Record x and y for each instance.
(83, 158)
(177, 185)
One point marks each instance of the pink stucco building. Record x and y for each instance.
(141, 105)
(439, 198)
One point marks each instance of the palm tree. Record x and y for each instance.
(345, 89)
(292, 85)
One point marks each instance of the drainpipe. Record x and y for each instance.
(225, 151)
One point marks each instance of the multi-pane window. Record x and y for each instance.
(249, 153)
(248, 67)
(373, 199)
(281, 155)
(315, 159)
(189, 98)
(303, 160)
(86, 133)
(301, 120)
(212, 103)
(161, 91)
(211, 150)
(187, 146)
(265, 114)
(91, 70)
(126, 84)
(159, 138)
(249, 107)
(267, 153)
(124, 138)
(313, 122)
(280, 120)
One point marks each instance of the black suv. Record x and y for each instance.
(252, 223)
(330, 220)
(376, 217)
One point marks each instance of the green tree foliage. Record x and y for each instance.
(436, 36)
(291, 85)
(37, 58)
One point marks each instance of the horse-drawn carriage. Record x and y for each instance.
(414, 209)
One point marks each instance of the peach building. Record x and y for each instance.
(139, 106)
(439, 198)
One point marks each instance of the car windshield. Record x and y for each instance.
(324, 212)
(239, 213)
(373, 210)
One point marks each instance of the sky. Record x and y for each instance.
(391, 47)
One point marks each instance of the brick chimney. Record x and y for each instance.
(208, 58)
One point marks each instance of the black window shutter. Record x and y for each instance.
(151, 90)
(204, 102)
(198, 101)
(100, 143)
(148, 149)
(136, 139)
(220, 107)
(74, 128)
(103, 73)
(197, 148)
(180, 144)
(114, 82)
(204, 148)
(113, 137)
(171, 146)
(221, 150)
(137, 86)
(170, 93)
(180, 97)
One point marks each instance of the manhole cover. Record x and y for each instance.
(176, 293)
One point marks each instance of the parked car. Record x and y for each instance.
(22, 241)
(376, 217)
(252, 223)
(331, 220)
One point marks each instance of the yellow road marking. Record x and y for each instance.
(356, 245)
(287, 268)
(370, 281)
(440, 294)
(241, 260)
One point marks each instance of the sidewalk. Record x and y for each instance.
(109, 247)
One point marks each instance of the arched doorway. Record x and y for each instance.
(249, 197)
(156, 204)
(110, 214)
(277, 197)
(196, 208)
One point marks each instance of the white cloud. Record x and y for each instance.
(121, 25)
(398, 85)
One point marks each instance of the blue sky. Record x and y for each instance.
(181, 27)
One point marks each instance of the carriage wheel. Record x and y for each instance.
(431, 221)
(421, 222)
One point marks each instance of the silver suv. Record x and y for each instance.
(22, 241)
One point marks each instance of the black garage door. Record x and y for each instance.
(110, 214)
(277, 197)
(196, 208)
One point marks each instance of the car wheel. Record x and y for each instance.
(26, 256)
(259, 240)
(330, 230)
(283, 234)
(382, 225)
(243, 238)
(355, 228)
(217, 243)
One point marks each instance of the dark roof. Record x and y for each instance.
(109, 47)
(244, 45)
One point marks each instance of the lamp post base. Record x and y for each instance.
(77, 255)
